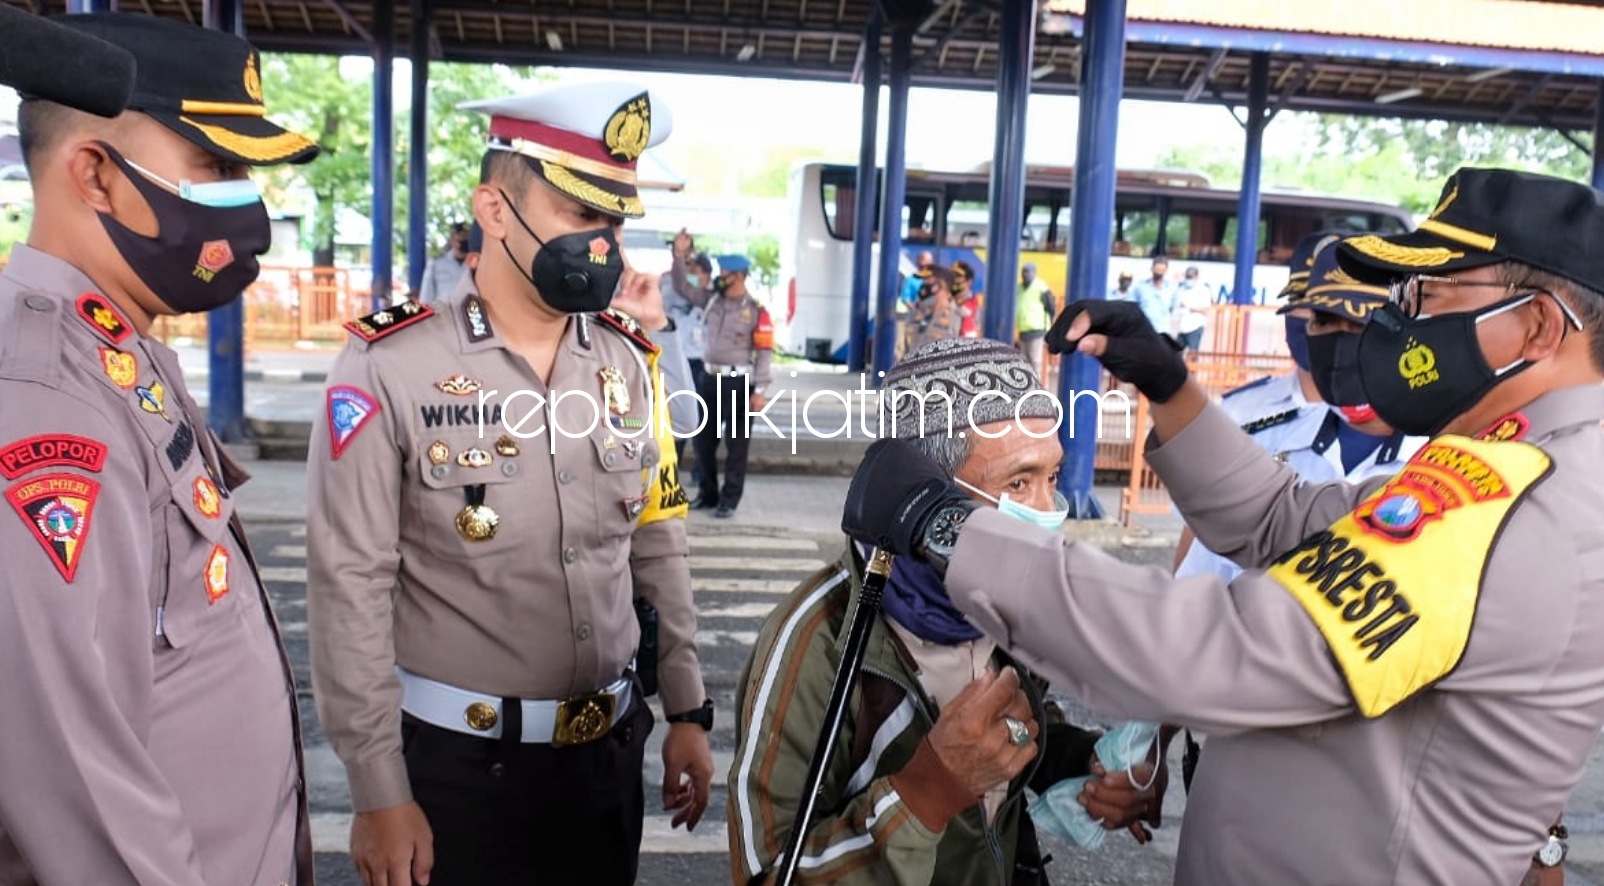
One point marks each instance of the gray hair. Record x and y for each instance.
(1586, 302)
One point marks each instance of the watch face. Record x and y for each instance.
(1552, 853)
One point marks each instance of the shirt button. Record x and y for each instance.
(570, 555)
(509, 468)
(439, 472)
(565, 476)
(38, 303)
(609, 459)
(583, 633)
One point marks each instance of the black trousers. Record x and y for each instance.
(729, 393)
(511, 814)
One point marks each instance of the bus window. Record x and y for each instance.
(840, 209)
(968, 222)
(1199, 234)
(838, 197)
(1136, 226)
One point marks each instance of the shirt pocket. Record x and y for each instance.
(495, 488)
(207, 574)
(619, 467)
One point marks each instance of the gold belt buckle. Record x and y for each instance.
(583, 719)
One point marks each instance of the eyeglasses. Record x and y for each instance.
(1406, 294)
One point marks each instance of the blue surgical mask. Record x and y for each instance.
(1052, 521)
(694, 280)
(1059, 812)
(222, 194)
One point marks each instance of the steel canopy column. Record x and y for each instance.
(1015, 49)
(1102, 80)
(885, 322)
(1598, 139)
(420, 14)
(863, 211)
(1247, 211)
(81, 6)
(225, 327)
(383, 245)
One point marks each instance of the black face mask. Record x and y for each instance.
(1334, 364)
(576, 273)
(202, 257)
(1422, 373)
(722, 285)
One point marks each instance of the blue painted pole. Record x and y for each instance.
(1247, 211)
(863, 211)
(383, 245)
(885, 322)
(1102, 80)
(225, 327)
(81, 6)
(1015, 50)
(1598, 139)
(418, 161)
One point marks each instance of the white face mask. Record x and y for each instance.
(1051, 521)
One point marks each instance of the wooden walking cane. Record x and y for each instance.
(846, 678)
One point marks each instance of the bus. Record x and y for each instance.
(1168, 213)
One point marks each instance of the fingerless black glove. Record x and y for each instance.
(1136, 353)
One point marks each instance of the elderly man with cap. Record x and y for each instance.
(1409, 690)
(935, 794)
(151, 727)
(492, 499)
(738, 351)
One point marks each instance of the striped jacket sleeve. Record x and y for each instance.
(884, 834)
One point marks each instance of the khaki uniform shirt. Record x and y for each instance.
(150, 721)
(1456, 785)
(544, 609)
(736, 327)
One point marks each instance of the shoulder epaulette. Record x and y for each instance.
(379, 324)
(1247, 387)
(625, 325)
(1270, 421)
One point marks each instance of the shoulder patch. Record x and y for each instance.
(51, 451)
(763, 332)
(379, 324)
(350, 410)
(625, 325)
(1257, 383)
(1270, 421)
(107, 322)
(57, 510)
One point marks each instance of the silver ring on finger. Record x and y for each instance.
(1018, 732)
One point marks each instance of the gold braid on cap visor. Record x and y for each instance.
(261, 149)
(590, 194)
(1407, 256)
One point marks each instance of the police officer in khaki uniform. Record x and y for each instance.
(1406, 683)
(489, 497)
(151, 732)
(738, 353)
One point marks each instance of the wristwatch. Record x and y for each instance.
(702, 716)
(1552, 854)
(940, 535)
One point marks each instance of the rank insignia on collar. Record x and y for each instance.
(474, 458)
(51, 451)
(620, 322)
(154, 400)
(217, 575)
(121, 368)
(350, 409)
(381, 323)
(439, 453)
(473, 311)
(1270, 421)
(207, 499)
(57, 508)
(106, 320)
(1511, 427)
(615, 390)
(459, 384)
(506, 446)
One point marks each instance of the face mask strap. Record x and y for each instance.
(1130, 746)
(519, 216)
(978, 491)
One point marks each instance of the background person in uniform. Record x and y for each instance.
(937, 316)
(471, 594)
(1410, 693)
(151, 731)
(443, 272)
(740, 349)
(937, 795)
(1034, 308)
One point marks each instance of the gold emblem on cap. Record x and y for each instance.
(1406, 256)
(439, 452)
(629, 130)
(253, 80)
(1450, 197)
(481, 716)
(614, 389)
(477, 523)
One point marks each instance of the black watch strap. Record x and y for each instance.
(702, 716)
